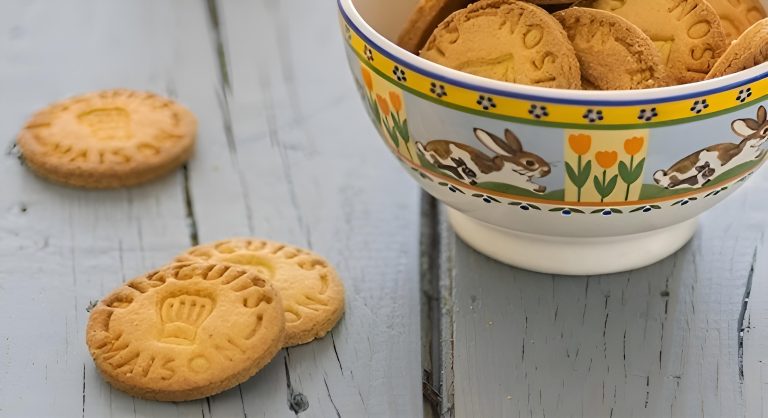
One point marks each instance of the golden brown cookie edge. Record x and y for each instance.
(295, 335)
(186, 394)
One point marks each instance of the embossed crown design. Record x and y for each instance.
(182, 316)
(108, 124)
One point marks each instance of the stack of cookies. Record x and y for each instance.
(212, 318)
(590, 44)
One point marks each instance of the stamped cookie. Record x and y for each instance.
(687, 33)
(613, 54)
(506, 40)
(738, 15)
(423, 21)
(111, 138)
(186, 332)
(750, 50)
(312, 293)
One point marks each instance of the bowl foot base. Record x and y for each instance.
(571, 256)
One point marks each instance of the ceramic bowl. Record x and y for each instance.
(557, 181)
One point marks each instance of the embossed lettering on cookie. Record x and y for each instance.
(187, 331)
(108, 139)
(532, 49)
(312, 293)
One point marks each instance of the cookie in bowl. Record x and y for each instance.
(506, 40)
(556, 179)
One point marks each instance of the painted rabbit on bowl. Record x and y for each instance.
(599, 184)
(699, 168)
(511, 164)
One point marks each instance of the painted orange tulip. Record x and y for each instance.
(580, 144)
(607, 159)
(396, 101)
(383, 105)
(633, 145)
(367, 78)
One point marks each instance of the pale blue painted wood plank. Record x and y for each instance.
(661, 341)
(73, 246)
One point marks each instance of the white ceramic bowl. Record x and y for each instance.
(557, 181)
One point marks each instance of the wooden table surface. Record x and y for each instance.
(286, 152)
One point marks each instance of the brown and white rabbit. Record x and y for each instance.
(699, 168)
(511, 164)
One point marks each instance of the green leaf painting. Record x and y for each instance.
(605, 186)
(579, 176)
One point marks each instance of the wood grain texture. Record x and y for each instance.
(285, 151)
(62, 248)
(309, 167)
(753, 336)
(662, 341)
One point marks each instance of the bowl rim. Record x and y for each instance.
(535, 93)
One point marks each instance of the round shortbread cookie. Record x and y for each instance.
(106, 139)
(312, 293)
(687, 33)
(506, 40)
(750, 50)
(613, 53)
(738, 15)
(423, 21)
(186, 332)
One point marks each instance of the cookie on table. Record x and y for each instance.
(186, 332)
(613, 53)
(506, 40)
(687, 33)
(738, 15)
(108, 139)
(312, 293)
(424, 19)
(750, 50)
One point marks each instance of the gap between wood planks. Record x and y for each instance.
(296, 401)
(741, 327)
(436, 311)
(436, 272)
(437, 285)
(225, 90)
(189, 209)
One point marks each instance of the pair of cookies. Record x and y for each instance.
(735, 16)
(213, 318)
(520, 42)
(108, 139)
(427, 14)
(696, 39)
(591, 44)
(506, 40)
(687, 34)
